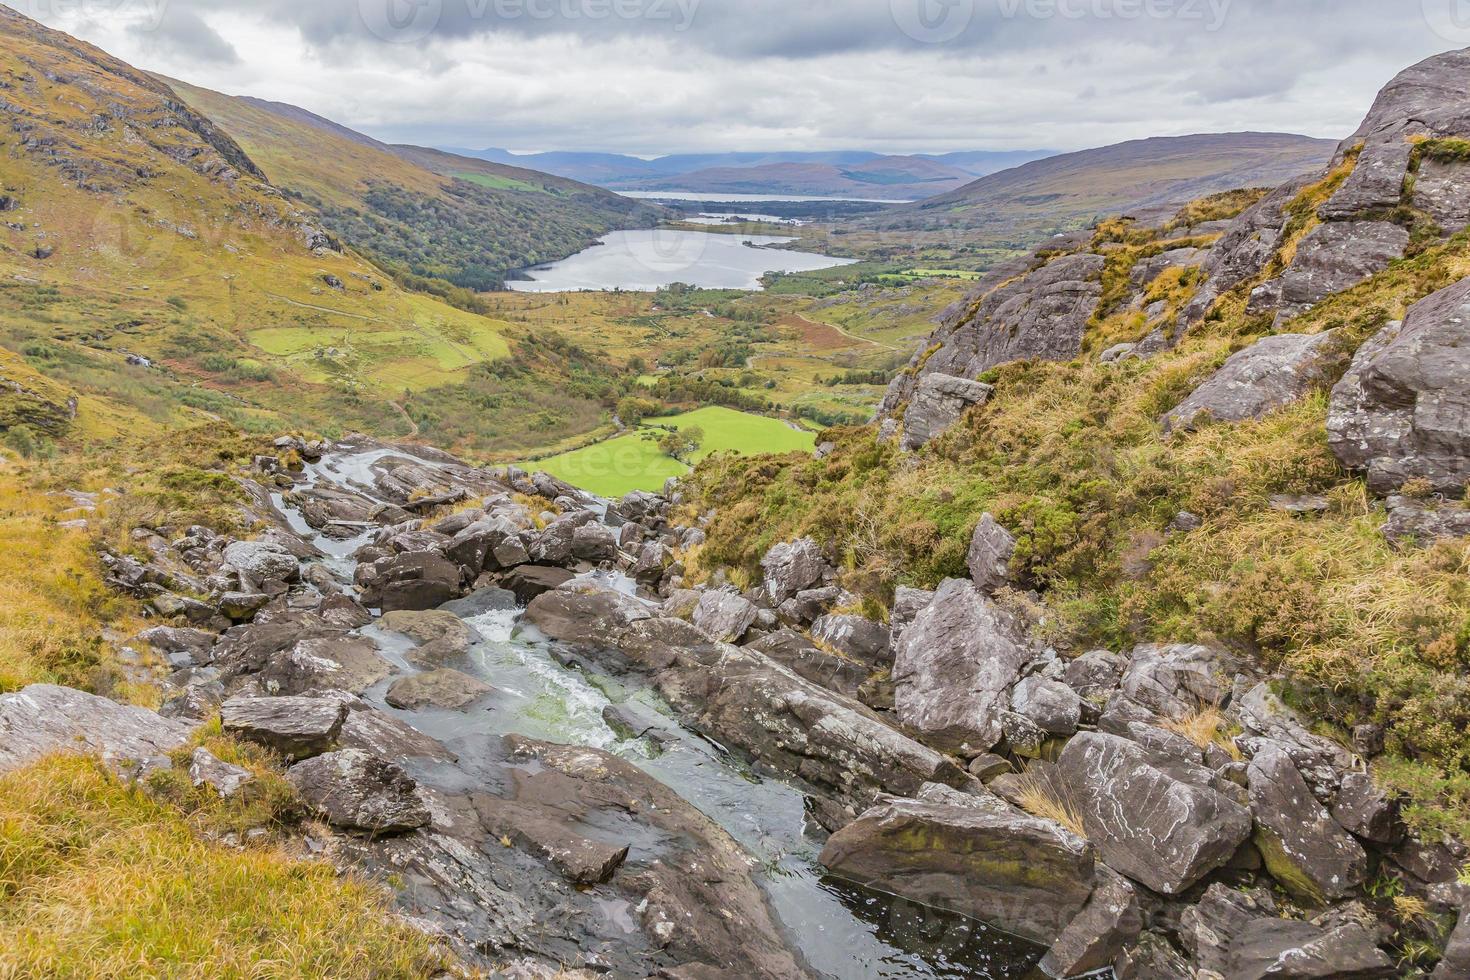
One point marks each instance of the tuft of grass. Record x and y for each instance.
(97, 879)
(1205, 727)
(1040, 798)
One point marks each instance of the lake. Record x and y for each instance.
(646, 260)
(750, 198)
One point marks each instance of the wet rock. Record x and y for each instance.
(1400, 413)
(1336, 256)
(953, 667)
(1110, 921)
(1153, 957)
(991, 548)
(588, 619)
(440, 634)
(938, 402)
(205, 769)
(297, 727)
(990, 861)
(261, 561)
(444, 688)
(1050, 705)
(530, 581)
(1304, 849)
(45, 719)
(1175, 681)
(357, 791)
(380, 734)
(834, 672)
(329, 663)
(725, 616)
(1271, 373)
(855, 637)
(415, 581)
(1145, 822)
(793, 567)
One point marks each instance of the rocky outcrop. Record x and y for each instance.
(1303, 847)
(44, 719)
(1402, 411)
(938, 402)
(296, 727)
(1269, 374)
(953, 667)
(979, 857)
(1336, 256)
(357, 791)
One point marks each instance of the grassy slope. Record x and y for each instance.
(633, 462)
(1071, 458)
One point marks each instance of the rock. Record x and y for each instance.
(328, 663)
(1175, 681)
(724, 616)
(45, 719)
(296, 727)
(529, 581)
(585, 619)
(1456, 961)
(1337, 256)
(791, 649)
(1271, 373)
(1153, 958)
(855, 637)
(1304, 849)
(953, 667)
(444, 688)
(653, 559)
(1095, 674)
(357, 791)
(260, 561)
(938, 402)
(1110, 921)
(793, 567)
(1401, 412)
(1050, 705)
(1308, 503)
(1232, 935)
(1027, 876)
(991, 548)
(1365, 811)
(414, 580)
(380, 734)
(1268, 721)
(1416, 522)
(907, 604)
(1145, 822)
(803, 608)
(987, 767)
(226, 779)
(182, 646)
(241, 606)
(440, 634)
(594, 543)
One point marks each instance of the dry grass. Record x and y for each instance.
(99, 880)
(1040, 798)
(1205, 727)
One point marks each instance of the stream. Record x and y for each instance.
(842, 931)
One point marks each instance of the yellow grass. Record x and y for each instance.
(1040, 798)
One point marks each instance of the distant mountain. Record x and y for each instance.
(837, 173)
(1073, 188)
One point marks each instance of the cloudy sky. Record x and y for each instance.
(657, 76)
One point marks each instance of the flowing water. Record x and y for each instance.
(842, 931)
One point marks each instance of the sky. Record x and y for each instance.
(649, 77)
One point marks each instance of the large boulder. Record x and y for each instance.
(1144, 818)
(440, 635)
(1177, 680)
(529, 581)
(262, 561)
(1336, 256)
(1303, 847)
(447, 689)
(44, 719)
(725, 616)
(953, 667)
(296, 727)
(356, 791)
(414, 580)
(938, 402)
(1050, 705)
(591, 618)
(1269, 374)
(856, 637)
(326, 663)
(1402, 411)
(989, 559)
(1110, 921)
(986, 860)
(793, 567)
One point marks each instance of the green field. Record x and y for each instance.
(496, 182)
(633, 462)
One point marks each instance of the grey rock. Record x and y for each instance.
(1244, 250)
(991, 550)
(855, 637)
(724, 616)
(261, 561)
(241, 606)
(1419, 522)
(182, 646)
(1157, 829)
(907, 604)
(1109, 922)
(357, 791)
(594, 543)
(832, 671)
(585, 618)
(414, 580)
(1402, 411)
(999, 865)
(1271, 373)
(440, 635)
(45, 719)
(1095, 674)
(953, 667)
(1304, 849)
(444, 688)
(529, 581)
(1153, 957)
(297, 727)
(1456, 961)
(1269, 722)
(205, 769)
(938, 402)
(793, 567)
(1443, 189)
(987, 767)
(1052, 706)
(803, 608)
(328, 663)
(381, 734)
(1337, 256)
(1175, 681)
(1366, 811)
(1299, 503)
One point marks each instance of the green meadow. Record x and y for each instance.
(633, 461)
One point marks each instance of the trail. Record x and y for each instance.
(412, 425)
(845, 333)
(320, 309)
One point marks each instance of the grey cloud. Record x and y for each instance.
(183, 32)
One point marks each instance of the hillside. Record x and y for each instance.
(419, 213)
(1077, 188)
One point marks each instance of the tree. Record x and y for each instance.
(680, 444)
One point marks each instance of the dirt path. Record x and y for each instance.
(412, 425)
(822, 324)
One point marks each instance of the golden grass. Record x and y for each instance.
(99, 880)
(1038, 797)
(1205, 728)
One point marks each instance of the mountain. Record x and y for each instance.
(1075, 188)
(419, 212)
(837, 173)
